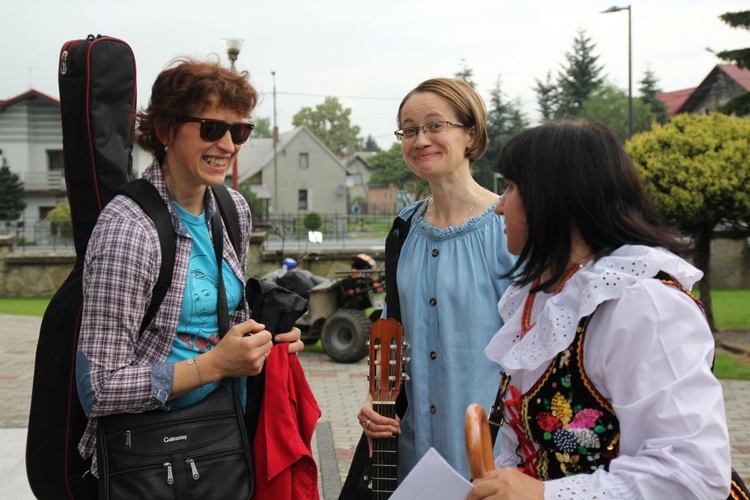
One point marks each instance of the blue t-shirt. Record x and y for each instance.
(198, 329)
(449, 287)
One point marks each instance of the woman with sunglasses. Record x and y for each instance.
(608, 356)
(194, 126)
(448, 276)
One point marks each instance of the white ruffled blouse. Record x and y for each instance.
(648, 350)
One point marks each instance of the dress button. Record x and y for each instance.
(433, 355)
(433, 301)
(435, 252)
(433, 409)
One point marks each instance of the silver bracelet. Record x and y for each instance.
(194, 361)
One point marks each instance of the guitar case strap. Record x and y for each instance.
(357, 484)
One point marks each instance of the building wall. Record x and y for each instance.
(28, 129)
(324, 179)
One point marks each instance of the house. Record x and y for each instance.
(724, 82)
(31, 143)
(311, 178)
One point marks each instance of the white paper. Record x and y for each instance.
(432, 478)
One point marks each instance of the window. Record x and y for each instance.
(302, 199)
(54, 160)
(304, 161)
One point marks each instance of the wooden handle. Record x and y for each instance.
(478, 442)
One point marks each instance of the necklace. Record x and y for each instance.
(428, 210)
(528, 305)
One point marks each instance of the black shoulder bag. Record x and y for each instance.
(200, 451)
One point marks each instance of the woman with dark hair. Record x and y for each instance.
(194, 126)
(448, 275)
(607, 357)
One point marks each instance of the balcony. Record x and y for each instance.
(43, 181)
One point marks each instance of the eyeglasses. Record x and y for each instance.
(214, 130)
(431, 128)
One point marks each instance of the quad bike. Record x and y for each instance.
(339, 312)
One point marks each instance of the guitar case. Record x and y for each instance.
(97, 82)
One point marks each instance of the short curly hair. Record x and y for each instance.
(189, 86)
(468, 105)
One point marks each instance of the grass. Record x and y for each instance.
(24, 306)
(730, 310)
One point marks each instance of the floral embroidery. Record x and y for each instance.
(575, 428)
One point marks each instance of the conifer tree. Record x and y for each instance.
(12, 203)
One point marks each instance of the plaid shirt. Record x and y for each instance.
(122, 262)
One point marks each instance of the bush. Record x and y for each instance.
(313, 221)
(61, 219)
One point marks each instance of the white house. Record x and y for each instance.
(31, 143)
(310, 177)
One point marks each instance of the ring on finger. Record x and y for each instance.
(366, 424)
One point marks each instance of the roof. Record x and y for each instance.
(674, 100)
(740, 76)
(28, 95)
(256, 154)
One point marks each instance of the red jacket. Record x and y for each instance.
(284, 465)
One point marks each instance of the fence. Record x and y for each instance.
(41, 235)
(36, 235)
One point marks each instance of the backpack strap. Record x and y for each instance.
(224, 201)
(148, 198)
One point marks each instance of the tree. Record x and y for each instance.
(580, 78)
(371, 145)
(466, 74)
(609, 105)
(547, 97)
(504, 118)
(61, 219)
(740, 105)
(12, 203)
(330, 123)
(390, 168)
(257, 206)
(649, 87)
(262, 127)
(697, 169)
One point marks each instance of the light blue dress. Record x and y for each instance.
(449, 287)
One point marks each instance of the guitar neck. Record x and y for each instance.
(384, 457)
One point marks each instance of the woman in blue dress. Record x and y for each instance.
(448, 276)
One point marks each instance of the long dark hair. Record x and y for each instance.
(576, 175)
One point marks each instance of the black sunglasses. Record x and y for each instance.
(214, 130)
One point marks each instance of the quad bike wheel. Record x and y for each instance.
(345, 335)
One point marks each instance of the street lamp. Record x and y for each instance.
(233, 46)
(630, 66)
(275, 143)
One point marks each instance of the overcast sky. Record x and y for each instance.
(370, 53)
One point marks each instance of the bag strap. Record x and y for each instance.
(393, 244)
(221, 299)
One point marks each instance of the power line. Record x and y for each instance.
(340, 96)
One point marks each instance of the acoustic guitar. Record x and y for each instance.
(386, 376)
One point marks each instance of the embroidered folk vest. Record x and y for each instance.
(575, 427)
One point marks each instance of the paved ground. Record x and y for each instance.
(340, 390)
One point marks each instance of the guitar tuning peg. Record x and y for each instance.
(406, 345)
(405, 377)
(368, 377)
(368, 360)
(368, 343)
(405, 359)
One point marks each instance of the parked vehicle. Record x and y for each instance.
(340, 311)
